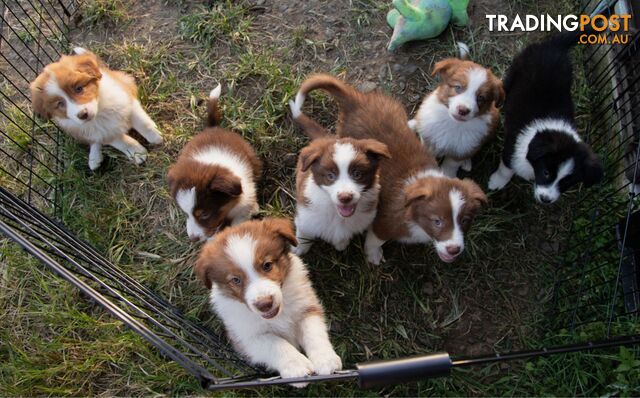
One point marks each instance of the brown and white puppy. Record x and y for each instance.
(418, 204)
(460, 115)
(337, 184)
(265, 299)
(214, 179)
(94, 105)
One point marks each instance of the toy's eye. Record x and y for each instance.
(235, 281)
(357, 174)
(78, 89)
(267, 266)
(331, 176)
(437, 222)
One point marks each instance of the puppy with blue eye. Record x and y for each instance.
(337, 184)
(541, 142)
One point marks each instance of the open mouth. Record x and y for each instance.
(346, 210)
(446, 257)
(272, 313)
(459, 118)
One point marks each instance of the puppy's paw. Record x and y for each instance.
(413, 124)
(466, 165)
(326, 362)
(298, 366)
(95, 162)
(341, 245)
(375, 256)
(301, 249)
(79, 50)
(139, 157)
(153, 136)
(496, 181)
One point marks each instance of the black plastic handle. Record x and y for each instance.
(384, 373)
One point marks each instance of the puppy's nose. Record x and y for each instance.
(264, 304)
(453, 250)
(345, 197)
(83, 114)
(545, 199)
(194, 238)
(463, 110)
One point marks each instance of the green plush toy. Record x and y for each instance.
(424, 19)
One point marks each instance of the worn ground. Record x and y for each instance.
(493, 299)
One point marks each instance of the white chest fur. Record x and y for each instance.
(446, 136)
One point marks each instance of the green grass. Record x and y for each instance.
(494, 298)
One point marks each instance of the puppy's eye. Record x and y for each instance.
(457, 88)
(205, 215)
(331, 176)
(235, 281)
(546, 173)
(482, 98)
(60, 104)
(78, 89)
(465, 221)
(268, 266)
(437, 222)
(357, 174)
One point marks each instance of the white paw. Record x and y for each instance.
(301, 249)
(79, 50)
(95, 161)
(326, 362)
(298, 366)
(341, 245)
(375, 256)
(154, 137)
(413, 124)
(139, 157)
(497, 181)
(451, 172)
(466, 165)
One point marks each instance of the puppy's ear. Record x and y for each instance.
(475, 193)
(376, 149)
(88, 64)
(442, 68)
(498, 92)
(226, 183)
(203, 267)
(416, 192)
(172, 180)
(592, 168)
(284, 228)
(38, 98)
(308, 156)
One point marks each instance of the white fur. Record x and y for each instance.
(276, 342)
(111, 115)
(296, 107)
(476, 78)
(247, 204)
(552, 191)
(446, 136)
(373, 248)
(519, 163)
(215, 93)
(457, 237)
(463, 50)
(319, 218)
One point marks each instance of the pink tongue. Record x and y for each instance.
(346, 211)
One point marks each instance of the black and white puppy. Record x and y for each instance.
(541, 141)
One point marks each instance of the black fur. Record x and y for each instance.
(538, 86)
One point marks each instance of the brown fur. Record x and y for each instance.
(376, 115)
(273, 237)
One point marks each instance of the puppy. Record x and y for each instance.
(418, 204)
(93, 104)
(541, 142)
(264, 297)
(214, 179)
(337, 186)
(460, 114)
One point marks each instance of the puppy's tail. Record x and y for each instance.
(344, 94)
(213, 110)
(463, 50)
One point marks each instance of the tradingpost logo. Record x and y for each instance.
(594, 27)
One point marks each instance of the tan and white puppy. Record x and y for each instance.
(93, 104)
(460, 115)
(337, 184)
(418, 204)
(265, 299)
(214, 179)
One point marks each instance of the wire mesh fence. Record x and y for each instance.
(596, 292)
